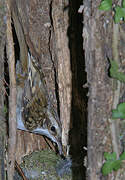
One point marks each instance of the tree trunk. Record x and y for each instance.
(97, 48)
(3, 92)
(37, 41)
(102, 41)
(56, 74)
(51, 33)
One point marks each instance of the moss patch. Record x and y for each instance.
(42, 165)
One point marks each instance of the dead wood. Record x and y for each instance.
(60, 24)
(12, 96)
(3, 92)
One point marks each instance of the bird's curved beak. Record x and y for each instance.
(45, 132)
(59, 145)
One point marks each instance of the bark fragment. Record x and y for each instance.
(12, 96)
(60, 24)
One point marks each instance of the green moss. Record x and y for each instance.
(42, 165)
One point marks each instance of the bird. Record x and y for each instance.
(35, 112)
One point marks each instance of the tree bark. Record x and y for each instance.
(2, 93)
(60, 25)
(57, 45)
(97, 43)
(12, 96)
(40, 42)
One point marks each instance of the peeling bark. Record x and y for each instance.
(12, 96)
(60, 24)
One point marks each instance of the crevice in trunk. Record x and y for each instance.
(6, 72)
(6, 88)
(78, 133)
(16, 44)
(54, 67)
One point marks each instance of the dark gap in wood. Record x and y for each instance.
(57, 92)
(54, 68)
(6, 87)
(16, 44)
(6, 72)
(108, 67)
(78, 132)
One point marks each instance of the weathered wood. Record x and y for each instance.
(97, 46)
(12, 96)
(60, 25)
(2, 92)
(40, 41)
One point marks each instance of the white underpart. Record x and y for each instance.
(29, 70)
(20, 124)
(44, 132)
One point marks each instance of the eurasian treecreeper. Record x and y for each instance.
(35, 112)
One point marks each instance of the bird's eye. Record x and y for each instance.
(53, 129)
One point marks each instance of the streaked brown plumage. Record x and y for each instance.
(37, 114)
